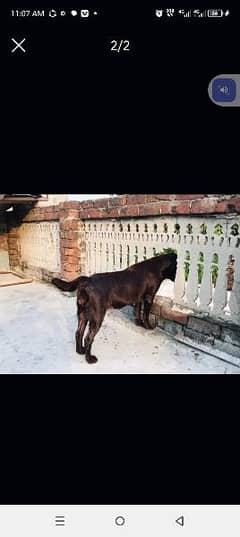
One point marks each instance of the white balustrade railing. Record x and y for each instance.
(40, 245)
(208, 248)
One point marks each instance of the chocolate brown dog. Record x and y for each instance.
(135, 286)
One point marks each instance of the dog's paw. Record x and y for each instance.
(91, 359)
(147, 326)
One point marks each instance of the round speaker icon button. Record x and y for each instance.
(224, 90)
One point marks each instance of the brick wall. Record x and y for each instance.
(71, 215)
(70, 237)
(133, 205)
(71, 249)
(13, 247)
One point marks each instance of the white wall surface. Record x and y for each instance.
(82, 197)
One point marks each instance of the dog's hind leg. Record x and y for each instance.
(138, 309)
(82, 323)
(94, 327)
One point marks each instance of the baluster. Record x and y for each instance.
(131, 254)
(192, 284)
(113, 257)
(104, 254)
(234, 302)
(179, 286)
(87, 257)
(100, 258)
(120, 257)
(107, 256)
(128, 255)
(140, 251)
(136, 254)
(117, 255)
(97, 253)
(84, 238)
(95, 256)
(220, 294)
(206, 285)
(124, 254)
(171, 242)
(103, 257)
(92, 255)
(88, 268)
(110, 257)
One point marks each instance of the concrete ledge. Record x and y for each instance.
(217, 338)
(208, 327)
(231, 335)
(19, 281)
(37, 273)
(174, 315)
(198, 336)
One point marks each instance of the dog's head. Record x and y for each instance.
(171, 266)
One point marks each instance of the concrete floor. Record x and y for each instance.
(37, 328)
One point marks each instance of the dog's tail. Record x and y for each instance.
(81, 281)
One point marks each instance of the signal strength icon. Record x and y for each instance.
(199, 14)
(184, 13)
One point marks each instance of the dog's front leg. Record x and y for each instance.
(148, 300)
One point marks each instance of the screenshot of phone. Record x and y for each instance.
(127, 101)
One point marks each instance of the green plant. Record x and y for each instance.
(203, 229)
(218, 230)
(167, 251)
(186, 270)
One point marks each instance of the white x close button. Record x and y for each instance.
(18, 44)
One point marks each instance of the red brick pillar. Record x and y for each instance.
(14, 248)
(71, 241)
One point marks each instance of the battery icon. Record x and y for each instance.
(215, 13)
